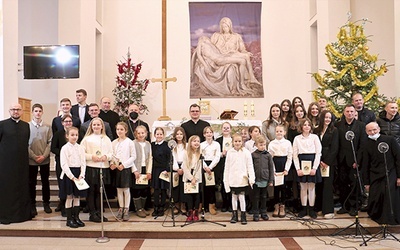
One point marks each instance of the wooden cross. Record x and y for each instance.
(164, 81)
(164, 78)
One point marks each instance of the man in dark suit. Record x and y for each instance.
(81, 109)
(364, 114)
(348, 185)
(65, 106)
(94, 112)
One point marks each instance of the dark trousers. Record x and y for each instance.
(93, 198)
(280, 194)
(44, 176)
(160, 196)
(349, 187)
(259, 201)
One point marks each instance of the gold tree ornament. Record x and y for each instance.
(354, 70)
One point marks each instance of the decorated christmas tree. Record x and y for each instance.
(129, 89)
(354, 70)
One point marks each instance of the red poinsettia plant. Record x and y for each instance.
(129, 88)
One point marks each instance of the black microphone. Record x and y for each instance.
(349, 135)
(383, 147)
(172, 144)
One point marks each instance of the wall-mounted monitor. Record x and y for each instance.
(51, 62)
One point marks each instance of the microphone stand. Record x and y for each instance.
(102, 238)
(171, 198)
(384, 227)
(359, 228)
(202, 217)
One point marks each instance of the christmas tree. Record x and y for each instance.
(354, 71)
(129, 89)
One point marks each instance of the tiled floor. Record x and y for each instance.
(150, 233)
(28, 243)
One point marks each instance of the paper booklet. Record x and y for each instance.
(210, 179)
(279, 179)
(81, 184)
(142, 180)
(306, 167)
(188, 188)
(166, 177)
(325, 171)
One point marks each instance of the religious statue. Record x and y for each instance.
(221, 66)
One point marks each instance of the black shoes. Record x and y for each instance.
(234, 218)
(303, 212)
(353, 212)
(342, 210)
(46, 208)
(33, 211)
(264, 216)
(243, 219)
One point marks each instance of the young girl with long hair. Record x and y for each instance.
(211, 152)
(98, 148)
(329, 136)
(307, 149)
(144, 165)
(124, 155)
(192, 174)
(178, 153)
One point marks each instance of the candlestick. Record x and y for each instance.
(252, 108)
(245, 109)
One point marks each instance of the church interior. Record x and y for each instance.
(156, 33)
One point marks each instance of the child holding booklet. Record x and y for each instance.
(192, 176)
(144, 165)
(124, 155)
(211, 152)
(73, 165)
(238, 175)
(264, 177)
(179, 153)
(161, 160)
(282, 154)
(306, 157)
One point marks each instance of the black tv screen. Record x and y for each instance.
(51, 62)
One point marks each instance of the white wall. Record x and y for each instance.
(284, 48)
(137, 24)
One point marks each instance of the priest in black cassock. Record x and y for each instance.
(374, 173)
(14, 168)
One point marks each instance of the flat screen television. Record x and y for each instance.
(51, 62)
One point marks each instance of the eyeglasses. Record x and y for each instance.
(15, 110)
(67, 121)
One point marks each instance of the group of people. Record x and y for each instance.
(298, 158)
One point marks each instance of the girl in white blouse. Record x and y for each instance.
(211, 152)
(282, 154)
(98, 149)
(178, 154)
(306, 157)
(192, 174)
(124, 155)
(73, 165)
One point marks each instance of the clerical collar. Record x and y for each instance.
(37, 124)
(15, 120)
(105, 111)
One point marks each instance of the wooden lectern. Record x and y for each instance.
(228, 115)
